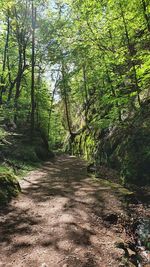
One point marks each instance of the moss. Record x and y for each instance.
(126, 148)
(116, 187)
(3, 134)
(4, 169)
(9, 187)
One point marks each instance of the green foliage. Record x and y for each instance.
(3, 134)
(91, 79)
(26, 154)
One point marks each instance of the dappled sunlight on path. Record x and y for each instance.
(58, 220)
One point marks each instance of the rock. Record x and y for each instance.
(144, 255)
(120, 244)
(134, 259)
(10, 126)
(44, 265)
(132, 246)
(9, 187)
(111, 218)
(131, 252)
(91, 167)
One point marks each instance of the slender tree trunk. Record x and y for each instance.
(146, 15)
(65, 97)
(66, 100)
(18, 84)
(12, 85)
(86, 92)
(50, 111)
(2, 79)
(113, 91)
(131, 55)
(33, 71)
(37, 102)
(21, 68)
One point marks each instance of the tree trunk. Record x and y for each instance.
(2, 80)
(113, 91)
(146, 15)
(66, 100)
(33, 71)
(131, 55)
(18, 84)
(86, 93)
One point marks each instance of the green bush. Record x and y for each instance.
(26, 153)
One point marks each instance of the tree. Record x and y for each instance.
(33, 69)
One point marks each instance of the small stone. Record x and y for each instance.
(44, 265)
(111, 218)
(131, 252)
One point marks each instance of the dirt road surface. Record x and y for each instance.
(57, 220)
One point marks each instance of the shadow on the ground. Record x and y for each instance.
(84, 202)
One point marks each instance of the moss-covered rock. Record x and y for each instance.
(127, 148)
(9, 187)
(124, 147)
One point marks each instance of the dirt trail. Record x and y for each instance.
(57, 221)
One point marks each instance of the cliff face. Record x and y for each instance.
(127, 148)
(124, 147)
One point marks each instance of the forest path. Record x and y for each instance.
(57, 221)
